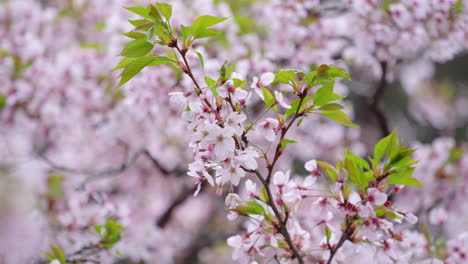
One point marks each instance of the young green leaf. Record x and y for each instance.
(202, 24)
(134, 35)
(327, 233)
(381, 147)
(3, 100)
(331, 106)
(209, 81)
(141, 11)
(123, 63)
(200, 57)
(269, 98)
(295, 104)
(59, 254)
(165, 9)
(137, 48)
(358, 160)
(337, 72)
(329, 169)
(325, 94)
(286, 142)
(134, 67)
(285, 76)
(339, 116)
(403, 177)
(141, 23)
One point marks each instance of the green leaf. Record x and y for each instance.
(339, 116)
(137, 65)
(355, 174)
(337, 72)
(263, 194)
(154, 12)
(393, 147)
(226, 71)
(325, 94)
(403, 157)
(331, 106)
(295, 104)
(300, 121)
(110, 234)
(309, 78)
(329, 169)
(200, 57)
(208, 33)
(269, 98)
(327, 233)
(186, 32)
(141, 11)
(209, 81)
(123, 63)
(140, 23)
(285, 76)
(252, 208)
(404, 178)
(165, 9)
(3, 100)
(382, 212)
(286, 142)
(381, 147)
(358, 160)
(134, 35)
(59, 254)
(201, 24)
(137, 48)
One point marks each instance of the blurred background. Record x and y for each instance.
(76, 152)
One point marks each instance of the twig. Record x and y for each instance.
(124, 165)
(180, 199)
(374, 105)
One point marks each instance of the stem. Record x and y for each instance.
(343, 238)
(189, 72)
(374, 105)
(285, 130)
(281, 223)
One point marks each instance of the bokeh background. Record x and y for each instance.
(75, 151)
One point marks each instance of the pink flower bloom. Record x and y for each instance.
(268, 128)
(251, 188)
(279, 100)
(438, 216)
(232, 174)
(280, 179)
(222, 139)
(235, 121)
(266, 79)
(232, 200)
(311, 166)
(376, 197)
(228, 90)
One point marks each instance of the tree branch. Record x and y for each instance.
(96, 175)
(376, 99)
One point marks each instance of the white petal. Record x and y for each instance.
(267, 78)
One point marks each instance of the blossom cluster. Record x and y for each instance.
(77, 153)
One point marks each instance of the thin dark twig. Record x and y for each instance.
(124, 165)
(180, 199)
(377, 98)
(344, 236)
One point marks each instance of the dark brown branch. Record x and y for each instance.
(180, 199)
(124, 165)
(377, 98)
(344, 236)
(281, 223)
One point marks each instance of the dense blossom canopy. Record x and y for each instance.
(252, 107)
